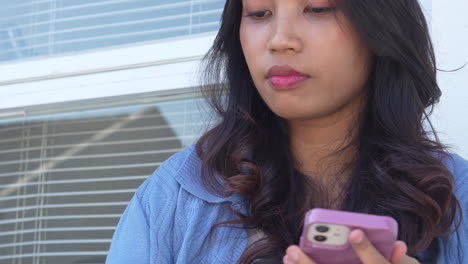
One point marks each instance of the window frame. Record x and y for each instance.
(156, 66)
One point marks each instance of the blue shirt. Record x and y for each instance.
(169, 218)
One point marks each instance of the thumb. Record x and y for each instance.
(294, 255)
(399, 251)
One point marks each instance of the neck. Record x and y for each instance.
(321, 147)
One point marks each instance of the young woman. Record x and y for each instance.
(321, 104)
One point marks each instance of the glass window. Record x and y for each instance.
(44, 27)
(67, 175)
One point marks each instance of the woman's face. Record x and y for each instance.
(306, 36)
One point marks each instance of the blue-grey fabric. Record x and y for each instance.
(170, 216)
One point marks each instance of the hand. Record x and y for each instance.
(369, 255)
(363, 248)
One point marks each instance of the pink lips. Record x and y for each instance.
(285, 77)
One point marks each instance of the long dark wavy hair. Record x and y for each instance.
(398, 170)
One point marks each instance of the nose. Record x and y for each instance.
(284, 36)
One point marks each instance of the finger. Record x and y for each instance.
(364, 249)
(294, 255)
(408, 260)
(399, 251)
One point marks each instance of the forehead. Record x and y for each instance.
(285, 0)
(299, 1)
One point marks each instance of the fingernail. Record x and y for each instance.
(357, 238)
(288, 260)
(294, 256)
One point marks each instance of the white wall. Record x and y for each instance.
(450, 36)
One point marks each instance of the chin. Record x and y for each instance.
(292, 108)
(292, 115)
(300, 114)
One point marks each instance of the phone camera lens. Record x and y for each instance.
(320, 238)
(322, 229)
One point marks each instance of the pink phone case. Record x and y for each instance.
(380, 230)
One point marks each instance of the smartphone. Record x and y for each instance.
(325, 235)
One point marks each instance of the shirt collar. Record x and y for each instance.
(189, 177)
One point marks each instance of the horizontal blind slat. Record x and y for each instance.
(54, 194)
(109, 37)
(102, 143)
(90, 132)
(64, 205)
(49, 242)
(56, 254)
(41, 171)
(85, 180)
(73, 118)
(94, 156)
(58, 217)
(58, 229)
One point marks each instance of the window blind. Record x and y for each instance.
(66, 177)
(43, 27)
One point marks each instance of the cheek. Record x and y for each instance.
(250, 46)
(354, 68)
(253, 49)
(246, 42)
(345, 60)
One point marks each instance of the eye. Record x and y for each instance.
(257, 15)
(320, 10)
(316, 10)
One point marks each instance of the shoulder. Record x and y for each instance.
(181, 212)
(181, 172)
(454, 248)
(458, 166)
(170, 218)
